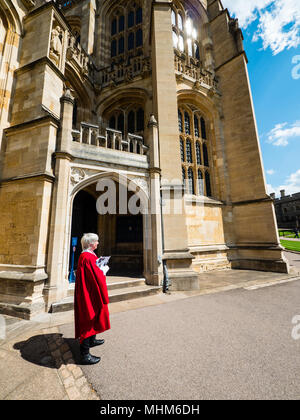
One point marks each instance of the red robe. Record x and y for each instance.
(90, 299)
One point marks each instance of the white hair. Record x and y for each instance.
(88, 239)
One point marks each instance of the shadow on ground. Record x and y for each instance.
(49, 350)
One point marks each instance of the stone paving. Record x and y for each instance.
(39, 365)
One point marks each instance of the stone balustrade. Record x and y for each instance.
(124, 72)
(78, 58)
(196, 73)
(91, 134)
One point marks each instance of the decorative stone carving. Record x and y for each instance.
(56, 45)
(29, 3)
(77, 175)
(236, 31)
(143, 185)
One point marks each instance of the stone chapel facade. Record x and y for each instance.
(152, 95)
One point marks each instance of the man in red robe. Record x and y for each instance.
(91, 300)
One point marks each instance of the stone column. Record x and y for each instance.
(88, 26)
(57, 284)
(176, 253)
(155, 209)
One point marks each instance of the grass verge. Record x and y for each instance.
(291, 245)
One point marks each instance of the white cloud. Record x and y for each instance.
(270, 172)
(246, 11)
(281, 134)
(291, 185)
(278, 21)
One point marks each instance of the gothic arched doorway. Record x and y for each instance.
(120, 235)
(84, 220)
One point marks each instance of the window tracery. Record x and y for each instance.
(126, 32)
(194, 150)
(185, 34)
(129, 121)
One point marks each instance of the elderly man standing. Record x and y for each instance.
(91, 300)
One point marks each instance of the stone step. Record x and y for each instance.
(126, 290)
(122, 282)
(115, 282)
(119, 295)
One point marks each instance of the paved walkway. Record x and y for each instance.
(230, 345)
(293, 258)
(35, 357)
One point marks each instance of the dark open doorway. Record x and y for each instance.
(84, 220)
(120, 235)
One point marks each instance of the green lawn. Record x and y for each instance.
(291, 245)
(287, 233)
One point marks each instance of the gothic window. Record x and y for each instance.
(198, 153)
(200, 182)
(139, 38)
(121, 23)
(139, 16)
(112, 122)
(207, 182)
(140, 123)
(203, 128)
(189, 156)
(126, 32)
(191, 186)
(131, 19)
(130, 120)
(182, 149)
(183, 176)
(114, 48)
(205, 155)
(174, 23)
(121, 45)
(120, 126)
(175, 39)
(113, 27)
(192, 143)
(187, 123)
(181, 43)
(196, 126)
(180, 121)
(75, 114)
(131, 41)
(180, 22)
(185, 34)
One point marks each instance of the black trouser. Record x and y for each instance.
(85, 345)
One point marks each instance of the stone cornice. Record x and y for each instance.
(36, 122)
(29, 177)
(43, 60)
(250, 202)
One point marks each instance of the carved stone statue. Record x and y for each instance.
(56, 44)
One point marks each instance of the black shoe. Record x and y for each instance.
(88, 359)
(94, 342)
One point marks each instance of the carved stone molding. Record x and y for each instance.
(29, 3)
(77, 176)
(143, 185)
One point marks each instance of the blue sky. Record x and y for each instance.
(271, 30)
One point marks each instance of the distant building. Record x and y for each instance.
(287, 209)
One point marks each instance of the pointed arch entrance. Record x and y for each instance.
(121, 233)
